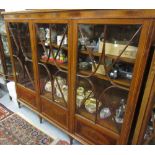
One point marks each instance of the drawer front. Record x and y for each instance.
(27, 95)
(55, 113)
(93, 135)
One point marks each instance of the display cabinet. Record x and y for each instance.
(82, 70)
(5, 62)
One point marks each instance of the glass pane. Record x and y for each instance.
(1, 32)
(52, 46)
(22, 54)
(1, 68)
(149, 136)
(106, 57)
(5, 48)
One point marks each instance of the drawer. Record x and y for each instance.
(27, 95)
(54, 112)
(87, 132)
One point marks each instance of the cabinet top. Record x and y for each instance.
(79, 14)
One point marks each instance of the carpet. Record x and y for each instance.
(14, 130)
(4, 112)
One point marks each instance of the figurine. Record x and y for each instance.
(80, 96)
(47, 42)
(61, 82)
(65, 92)
(90, 105)
(89, 93)
(80, 91)
(59, 39)
(48, 86)
(42, 34)
(79, 99)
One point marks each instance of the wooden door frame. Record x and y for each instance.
(142, 55)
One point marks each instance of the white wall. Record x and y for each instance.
(15, 5)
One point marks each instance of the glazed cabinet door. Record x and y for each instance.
(19, 36)
(52, 45)
(145, 126)
(107, 52)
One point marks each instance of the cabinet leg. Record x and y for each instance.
(41, 120)
(10, 98)
(71, 140)
(19, 104)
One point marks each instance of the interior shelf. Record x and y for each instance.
(63, 65)
(107, 123)
(58, 101)
(128, 60)
(123, 82)
(54, 45)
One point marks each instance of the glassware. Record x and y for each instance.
(65, 42)
(85, 65)
(114, 74)
(120, 112)
(83, 41)
(53, 35)
(149, 132)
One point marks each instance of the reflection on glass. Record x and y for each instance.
(8, 69)
(22, 54)
(106, 56)
(149, 135)
(52, 46)
(1, 69)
